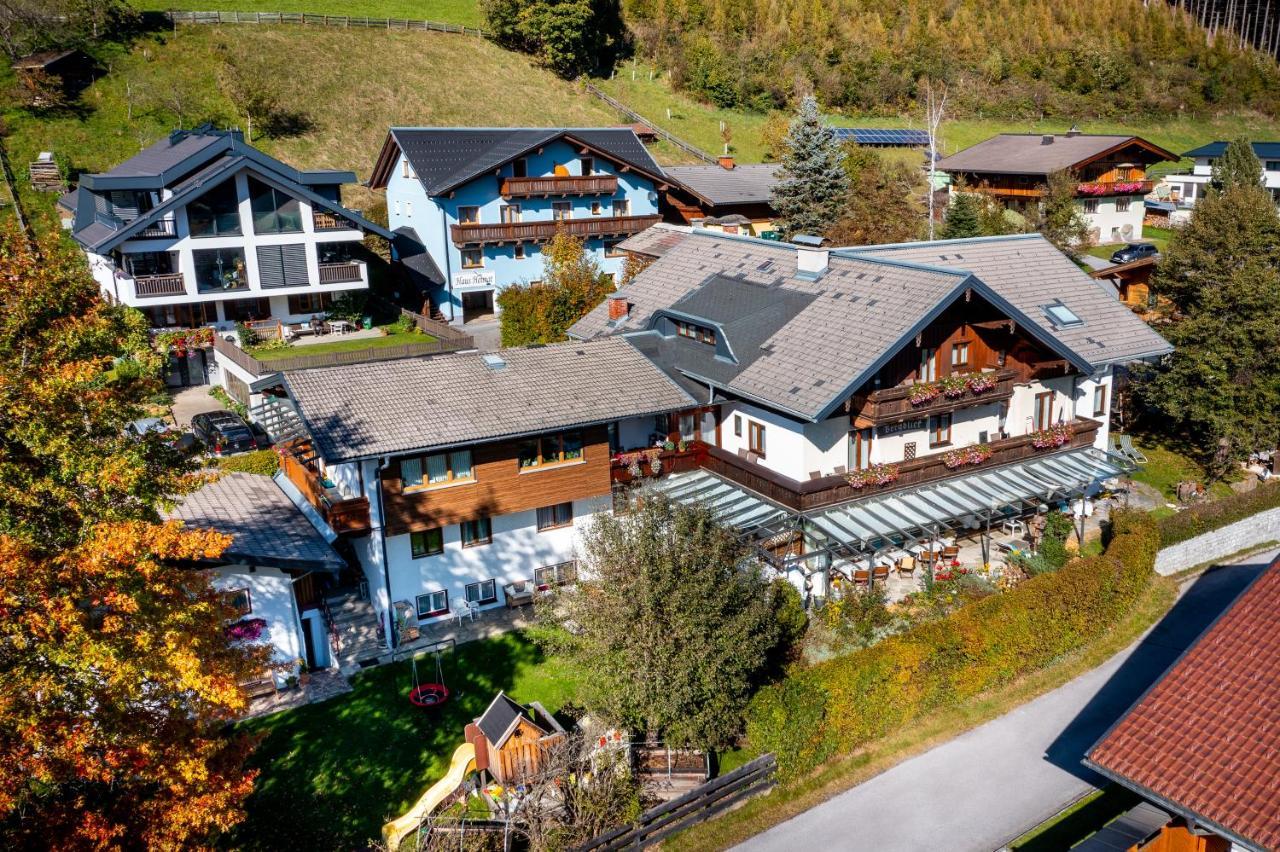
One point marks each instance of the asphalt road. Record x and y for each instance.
(986, 787)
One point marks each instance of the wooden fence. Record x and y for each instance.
(618, 105)
(690, 809)
(175, 17)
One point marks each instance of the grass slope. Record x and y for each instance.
(332, 773)
(699, 123)
(351, 84)
(465, 12)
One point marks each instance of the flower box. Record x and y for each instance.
(1054, 436)
(877, 474)
(974, 454)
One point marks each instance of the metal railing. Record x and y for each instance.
(160, 228)
(302, 361)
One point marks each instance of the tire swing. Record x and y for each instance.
(428, 695)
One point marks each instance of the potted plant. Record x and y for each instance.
(921, 393)
(980, 382)
(954, 386)
(304, 676)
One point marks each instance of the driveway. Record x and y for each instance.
(188, 402)
(986, 787)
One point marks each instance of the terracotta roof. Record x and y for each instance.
(1205, 739)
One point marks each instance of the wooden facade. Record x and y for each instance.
(1175, 837)
(499, 486)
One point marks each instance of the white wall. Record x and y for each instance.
(1110, 223)
(271, 597)
(827, 446)
(786, 449)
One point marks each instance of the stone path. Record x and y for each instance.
(322, 686)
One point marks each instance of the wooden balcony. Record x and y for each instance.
(1102, 189)
(323, 220)
(340, 273)
(891, 405)
(544, 187)
(146, 286)
(536, 232)
(343, 515)
(831, 490)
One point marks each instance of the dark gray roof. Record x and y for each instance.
(265, 526)
(498, 720)
(375, 409)
(715, 185)
(414, 255)
(1262, 150)
(444, 158)
(173, 151)
(1027, 153)
(831, 333)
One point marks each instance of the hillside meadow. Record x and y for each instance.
(464, 12)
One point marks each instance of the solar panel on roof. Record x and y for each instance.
(882, 136)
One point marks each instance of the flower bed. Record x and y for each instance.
(181, 342)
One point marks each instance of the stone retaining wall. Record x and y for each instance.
(1211, 546)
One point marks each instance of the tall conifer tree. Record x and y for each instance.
(810, 196)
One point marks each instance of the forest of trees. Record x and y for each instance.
(1001, 58)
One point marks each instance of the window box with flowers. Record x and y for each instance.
(1054, 436)
(924, 392)
(979, 383)
(953, 387)
(246, 630)
(970, 455)
(877, 474)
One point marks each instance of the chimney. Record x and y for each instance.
(618, 308)
(811, 256)
(726, 162)
(1046, 139)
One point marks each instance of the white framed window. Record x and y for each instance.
(546, 576)
(1122, 205)
(405, 169)
(509, 213)
(433, 603)
(1091, 205)
(483, 592)
(1099, 400)
(517, 251)
(562, 211)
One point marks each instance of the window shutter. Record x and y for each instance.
(295, 265)
(270, 266)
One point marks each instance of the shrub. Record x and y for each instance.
(264, 462)
(837, 706)
(1218, 513)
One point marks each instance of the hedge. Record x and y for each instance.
(836, 706)
(1216, 514)
(265, 462)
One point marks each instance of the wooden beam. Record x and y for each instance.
(995, 324)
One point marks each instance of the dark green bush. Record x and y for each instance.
(264, 462)
(1218, 513)
(836, 706)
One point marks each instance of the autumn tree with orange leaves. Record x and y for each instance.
(117, 681)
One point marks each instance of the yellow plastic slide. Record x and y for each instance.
(464, 760)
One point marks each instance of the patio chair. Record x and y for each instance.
(906, 566)
(880, 574)
(1127, 449)
(815, 474)
(861, 577)
(950, 552)
(840, 470)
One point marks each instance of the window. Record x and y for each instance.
(588, 166)
(404, 168)
(483, 592)
(1122, 205)
(622, 207)
(433, 603)
(860, 449)
(737, 425)
(310, 303)
(243, 310)
(596, 209)
(561, 211)
(274, 211)
(509, 213)
(940, 430)
(472, 258)
(436, 469)
(755, 438)
(611, 249)
(216, 213)
(1091, 205)
(1060, 314)
(520, 167)
(426, 543)
(695, 332)
(928, 371)
(219, 270)
(546, 450)
(476, 532)
(150, 263)
(1044, 410)
(239, 600)
(546, 576)
(469, 215)
(1100, 401)
(960, 354)
(553, 517)
(1273, 165)
(282, 266)
(517, 251)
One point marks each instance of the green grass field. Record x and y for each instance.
(332, 773)
(339, 345)
(699, 123)
(465, 12)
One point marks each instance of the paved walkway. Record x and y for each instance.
(188, 402)
(989, 785)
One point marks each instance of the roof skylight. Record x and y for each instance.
(1060, 314)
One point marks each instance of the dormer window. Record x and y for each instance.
(696, 332)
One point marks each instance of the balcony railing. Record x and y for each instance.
(517, 232)
(892, 404)
(529, 187)
(831, 490)
(323, 220)
(160, 228)
(339, 273)
(343, 515)
(160, 285)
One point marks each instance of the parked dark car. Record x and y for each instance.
(1134, 251)
(223, 433)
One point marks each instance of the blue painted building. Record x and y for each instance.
(472, 207)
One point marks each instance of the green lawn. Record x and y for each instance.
(465, 12)
(1167, 466)
(1078, 822)
(392, 339)
(333, 773)
(699, 123)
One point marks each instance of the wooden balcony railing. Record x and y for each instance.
(893, 404)
(160, 285)
(517, 232)
(338, 273)
(159, 228)
(344, 516)
(323, 220)
(529, 187)
(831, 490)
(1097, 189)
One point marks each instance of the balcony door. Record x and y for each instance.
(928, 371)
(1044, 410)
(860, 449)
(150, 263)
